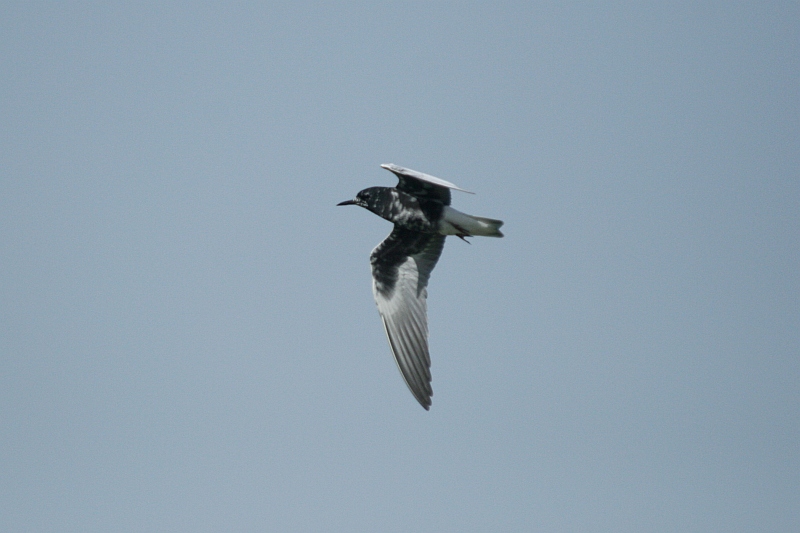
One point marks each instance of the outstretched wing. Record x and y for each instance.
(422, 185)
(401, 266)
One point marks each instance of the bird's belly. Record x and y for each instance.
(415, 222)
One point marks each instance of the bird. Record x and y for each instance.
(419, 208)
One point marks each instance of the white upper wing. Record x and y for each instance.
(401, 171)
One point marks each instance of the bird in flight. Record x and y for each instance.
(420, 209)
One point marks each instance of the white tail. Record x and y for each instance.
(455, 222)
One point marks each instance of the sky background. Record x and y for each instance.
(188, 339)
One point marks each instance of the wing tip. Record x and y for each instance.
(421, 390)
(424, 400)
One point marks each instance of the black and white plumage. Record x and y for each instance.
(420, 209)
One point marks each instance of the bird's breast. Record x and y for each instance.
(411, 212)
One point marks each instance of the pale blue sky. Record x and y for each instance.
(188, 340)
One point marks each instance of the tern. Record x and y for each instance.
(419, 208)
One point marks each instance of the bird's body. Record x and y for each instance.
(427, 215)
(419, 208)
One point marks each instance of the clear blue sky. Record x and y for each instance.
(188, 339)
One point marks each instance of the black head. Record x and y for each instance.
(368, 198)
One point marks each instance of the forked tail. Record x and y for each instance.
(454, 222)
(489, 227)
